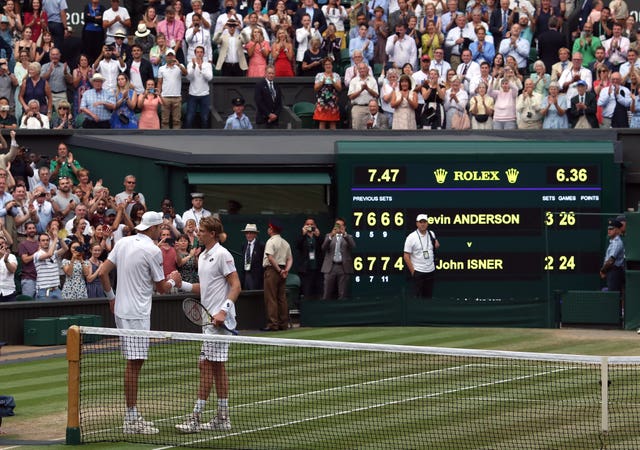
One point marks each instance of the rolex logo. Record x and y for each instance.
(512, 175)
(441, 175)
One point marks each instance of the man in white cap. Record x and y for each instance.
(97, 104)
(197, 211)
(419, 250)
(170, 89)
(138, 261)
(252, 278)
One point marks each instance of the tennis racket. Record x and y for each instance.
(198, 314)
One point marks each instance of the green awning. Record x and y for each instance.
(258, 178)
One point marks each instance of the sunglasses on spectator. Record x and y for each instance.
(63, 107)
(75, 248)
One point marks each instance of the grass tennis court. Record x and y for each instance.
(40, 386)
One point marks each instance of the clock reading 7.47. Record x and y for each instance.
(379, 175)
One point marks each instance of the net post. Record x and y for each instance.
(73, 393)
(604, 394)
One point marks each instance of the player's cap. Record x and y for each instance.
(614, 223)
(250, 228)
(170, 52)
(581, 83)
(621, 218)
(276, 225)
(237, 101)
(422, 217)
(197, 195)
(120, 34)
(149, 219)
(110, 212)
(97, 77)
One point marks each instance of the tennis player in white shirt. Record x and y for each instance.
(219, 288)
(138, 261)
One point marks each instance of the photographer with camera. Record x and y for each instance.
(76, 268)
(337, 265)
(309, 248)
(32, 118)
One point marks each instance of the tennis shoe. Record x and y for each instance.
(139, 426)
(190, 425)
(218, 423)
(146, 423)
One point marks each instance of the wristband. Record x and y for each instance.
(227, 306)
(110, 295)
(171, 282)
(13, 141)
(186, 287)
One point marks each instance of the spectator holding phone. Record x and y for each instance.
(170, 217)
(169, 254)
(148, 102)
(129, 195)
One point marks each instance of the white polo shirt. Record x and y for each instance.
(139, 263)
(416, 244)
(171, 80)
(214, 265)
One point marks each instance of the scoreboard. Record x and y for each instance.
(515, 219)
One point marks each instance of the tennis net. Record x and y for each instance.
(293, 394)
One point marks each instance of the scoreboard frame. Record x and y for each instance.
(515, 219)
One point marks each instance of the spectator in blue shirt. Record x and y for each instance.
(238, 120)
(97, 104)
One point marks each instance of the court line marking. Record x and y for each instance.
(320, 391)
(365, 408)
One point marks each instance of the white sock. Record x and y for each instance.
(132, 413)
(223, 407)
(199, 406)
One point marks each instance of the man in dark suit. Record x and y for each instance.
(318, 21)
(140, 65)
(337, 265)
(309, 249)
(582, 113)
(268, 100)
(252, 277)
(501, 20)
(549, 42)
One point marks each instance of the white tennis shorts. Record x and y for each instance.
(134, 347)
(214, 351)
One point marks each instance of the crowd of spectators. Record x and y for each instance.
(58, 224)
(468, 62)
